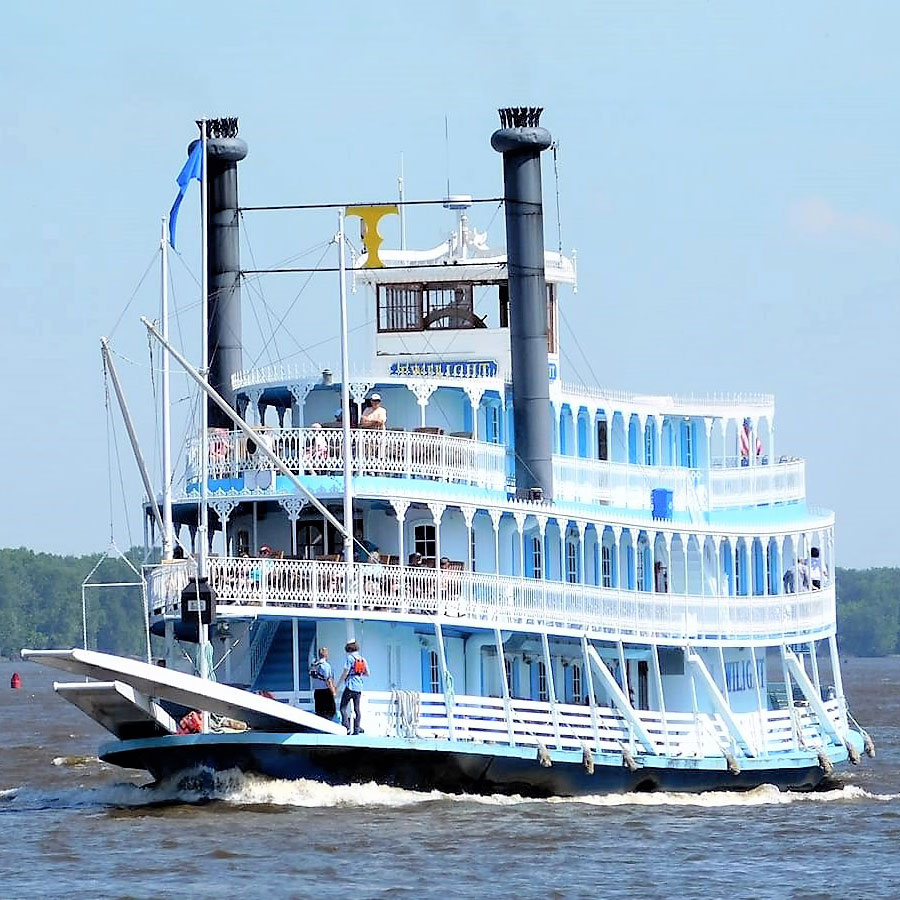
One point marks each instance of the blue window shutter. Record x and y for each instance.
(514, 687)
(425, 656)
(570, 686)
(535, 684)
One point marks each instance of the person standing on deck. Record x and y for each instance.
(374, 415)
(324, 691)
(355, 669)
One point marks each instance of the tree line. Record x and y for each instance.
(41, 605)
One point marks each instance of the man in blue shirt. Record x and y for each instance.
(355, 669)
(322, 677)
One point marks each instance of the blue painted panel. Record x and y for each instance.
(535, 683)
(634, 440)
(629, 552)
(425, 656)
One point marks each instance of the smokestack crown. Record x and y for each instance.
(222, 141)
(520, 130)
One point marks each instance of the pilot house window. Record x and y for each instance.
(417, 307)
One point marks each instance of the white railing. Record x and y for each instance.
(661, 403)
(628, 486)
(570, 726)
(753, 485)
(373, 452)
(165, 583)
(502, 601)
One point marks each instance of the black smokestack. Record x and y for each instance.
(224, 150)
(521, 140)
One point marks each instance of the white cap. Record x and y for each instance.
(375, 397)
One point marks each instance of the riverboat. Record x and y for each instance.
(558, 589)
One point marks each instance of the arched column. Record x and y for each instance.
(474, 391)
(293, 506)
(437, 514)
(468, 513)
(223, 509)
(582, 530)
(520, 518)
(423, 390)
(401, 507)
(496, 515)
(542, 530)
(299, 391)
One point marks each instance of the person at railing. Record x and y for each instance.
(818, 571)
(316, 450)
(355, 669)
(802, 574)
(324, 692)
(788, 580)
(259, 572)
(374, 415)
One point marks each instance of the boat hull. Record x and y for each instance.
(452, 767)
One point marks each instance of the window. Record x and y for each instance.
(507, 664)
(571, 562)
(310, 539)
(537, 557)
(576, 683)
(688, 431)
(739, 583)
(435, 672)
(472, 547)
(602, 440)
(424, 540)
(493, 424)
(606, 565)
(648, 445)
(400, 308)
(543, 692)
(418, 307)
(243, 542)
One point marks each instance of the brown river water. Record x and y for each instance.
(71, 826)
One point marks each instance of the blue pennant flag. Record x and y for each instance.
(193, 168)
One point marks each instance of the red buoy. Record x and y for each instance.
(16, 681)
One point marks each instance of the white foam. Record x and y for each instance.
(240, 789)
(75, 761)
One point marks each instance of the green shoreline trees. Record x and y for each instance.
(40, 605)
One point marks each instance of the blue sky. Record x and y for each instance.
(728, 175)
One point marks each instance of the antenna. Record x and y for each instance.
(447, 149)
(555, 147)
(401, 189)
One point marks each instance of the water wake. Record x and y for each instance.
(239, 789)
(243, 789)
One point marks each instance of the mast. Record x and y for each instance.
(345, 416)
(401, 189)
(345, 397)
(168, 535)
(202, 556)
